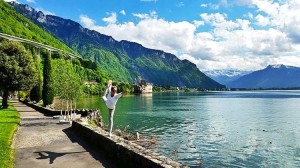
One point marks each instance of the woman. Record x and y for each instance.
(110, 100)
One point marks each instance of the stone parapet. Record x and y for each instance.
(126, 153)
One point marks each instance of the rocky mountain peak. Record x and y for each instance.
(276, 66)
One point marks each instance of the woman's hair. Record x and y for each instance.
(113, 88)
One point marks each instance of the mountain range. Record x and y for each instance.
(273, 76)
(123, 60)
(225, 76)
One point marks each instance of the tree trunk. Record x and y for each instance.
(4, 100)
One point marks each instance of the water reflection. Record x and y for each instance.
(220, 129)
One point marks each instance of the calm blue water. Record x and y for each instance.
(218, 129)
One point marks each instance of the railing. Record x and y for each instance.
(36, 44)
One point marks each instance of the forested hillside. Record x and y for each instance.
(15, 24)
(123, 60)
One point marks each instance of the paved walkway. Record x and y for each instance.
(42, 142)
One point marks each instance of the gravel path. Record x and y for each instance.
(42, 142)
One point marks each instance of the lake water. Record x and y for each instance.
(219, 129)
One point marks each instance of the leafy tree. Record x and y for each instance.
(66, 81)
(76, 62)
(17, 69)
(88, 64)
(57, 55)
(93, 88)
(64, 69)
(36, 91)
(48, 93)
(125, 87)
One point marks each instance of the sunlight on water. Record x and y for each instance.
(219, 129)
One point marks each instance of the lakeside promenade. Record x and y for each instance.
(41, 141)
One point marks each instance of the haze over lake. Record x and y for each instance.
(232, 129)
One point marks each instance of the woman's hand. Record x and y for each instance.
(109, 83)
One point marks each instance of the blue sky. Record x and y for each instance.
(99, 8)
(170, 10)
(219, 34)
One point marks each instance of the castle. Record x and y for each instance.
(143, 87)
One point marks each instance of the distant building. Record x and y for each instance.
(143, 87)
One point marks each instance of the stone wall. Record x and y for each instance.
(126, 153)
(51, 112)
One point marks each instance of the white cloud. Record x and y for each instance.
(198, 23)
(123, 12)
(180, 4)
(216, 6)
(267, 6)
(203, 5)
(220, 21)
(12, 1)
(151, 32)
(46, 12)
(141, 15)
(230, 44)
(152, 14)
(229, 62)
(31, 1)
(111, 19)
(250, 15)
(86, 21)
(282, 15)
(262, 20)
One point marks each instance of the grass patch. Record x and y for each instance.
(9, 120)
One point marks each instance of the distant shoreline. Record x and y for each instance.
(245, 89)
(229, 89)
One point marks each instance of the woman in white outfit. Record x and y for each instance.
(110, 100)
